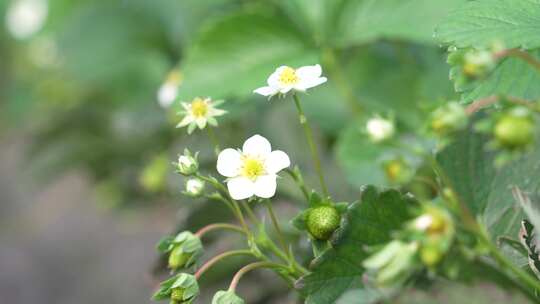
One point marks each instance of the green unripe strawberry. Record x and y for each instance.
(513, 131)
(177, 294)
(323, 221)
(178, 258)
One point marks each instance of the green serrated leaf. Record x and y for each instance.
(413, 20)
(480, 23)
(513, 77)
(366, 223)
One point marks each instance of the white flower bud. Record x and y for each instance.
(187, 164)
(380, 129)
(194, 187)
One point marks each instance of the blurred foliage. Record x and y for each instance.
(83, 90)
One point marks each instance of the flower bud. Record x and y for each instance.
(323, 221)
(477, 63)
(184, 290)
(227, 297)
(448, 119)
(178, 258)
(184, 250)
(180, 289)
(187, 164)
(194, 187)
(393, 263)
(515, 129)
(380, 129)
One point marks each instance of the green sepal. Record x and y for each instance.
(165, 244)
(226, 297)
(189, 284)
(164, 291)
(299, 221)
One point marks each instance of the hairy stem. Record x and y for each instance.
(218, 258)
(531, 60)
(250, 267)
(218, 226)
(311, 144)
(297, 177)
(213, 139)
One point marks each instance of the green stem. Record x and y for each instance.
(250, 213)
(218, 258)
(213, 139)
(218, 226)
(250, 267)
(311, 143)
(275, 222)
(297, 177)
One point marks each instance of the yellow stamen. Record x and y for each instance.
(199, 107)
(288, 76)
(252, 167)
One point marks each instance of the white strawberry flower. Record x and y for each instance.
(253, 170)
(199, 113)
(380, 129)
(285, 79)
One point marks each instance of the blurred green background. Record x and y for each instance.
(86, 182)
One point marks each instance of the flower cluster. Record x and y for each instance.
(250, 173)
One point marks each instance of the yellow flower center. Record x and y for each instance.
(252, 167)
(199, 107)
(288, 76)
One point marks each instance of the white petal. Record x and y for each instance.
(216, 112)
(277, 161)
(240, 188)
(265, 186)
(257, 145)
(186, 121)
(310, 83)
(186, 106)
(201, 122)
(310, 71)
(286, 89)
(266, 91)
(229, 162)
(273, 80)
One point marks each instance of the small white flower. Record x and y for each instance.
(252, 171)
(168, 91)
(285, 79)
(26, 17)
(380, 129)
(194, 187)
(199, 113)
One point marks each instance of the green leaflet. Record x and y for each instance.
(513, 77)
(412, 20)
(366, 223)
(515, 23)
(486, 190)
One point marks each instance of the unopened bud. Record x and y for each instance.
(194, 187)
(187, 163)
